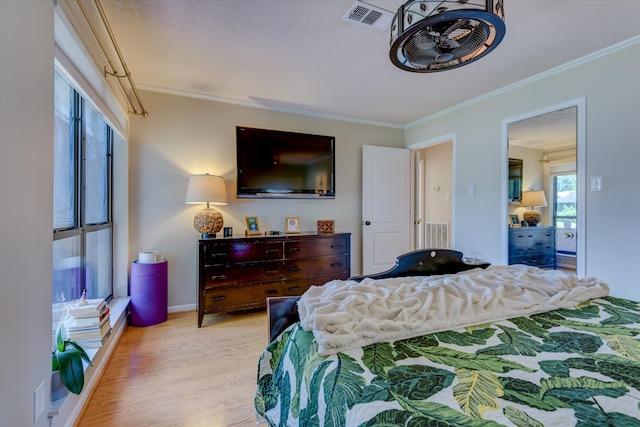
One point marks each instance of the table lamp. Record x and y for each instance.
(533, 199)
(209, 189)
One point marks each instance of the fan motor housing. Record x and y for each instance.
(436, 35)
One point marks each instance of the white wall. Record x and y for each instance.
(609, 84)
(26, 218)
(184, 136)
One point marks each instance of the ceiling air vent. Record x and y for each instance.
(369, 16)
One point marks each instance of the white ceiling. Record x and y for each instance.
(299, 55)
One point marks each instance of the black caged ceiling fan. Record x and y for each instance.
(437, 35)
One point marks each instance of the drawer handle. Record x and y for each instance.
(219, 298)
(294, 249)
(219, 255)
(292, 269)
(336, 246)
(271, 292)
(336, 264)
(271, 272)
(294, 288)
(270, 251)
(219, 277)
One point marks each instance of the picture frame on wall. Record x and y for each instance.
(292, 225)
(514, 221)
(253, 225)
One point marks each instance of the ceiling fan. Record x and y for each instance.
(437, 35)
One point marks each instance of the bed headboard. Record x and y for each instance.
(426, 262)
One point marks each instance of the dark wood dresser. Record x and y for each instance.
(240, 273)
(534, 246)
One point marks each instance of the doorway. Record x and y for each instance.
(432, 196)
(550, 143)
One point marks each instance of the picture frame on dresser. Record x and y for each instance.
(253, 225)
(326, 226)
(514, 221)
(292, 225)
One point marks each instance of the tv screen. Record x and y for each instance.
(277, 164)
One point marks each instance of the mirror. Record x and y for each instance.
(542, 153)
(515, 180)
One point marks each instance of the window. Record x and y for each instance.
(565, 211)
(82, 219)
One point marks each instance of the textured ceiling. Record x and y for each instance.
(299, 55)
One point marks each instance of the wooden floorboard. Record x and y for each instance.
(176, 374)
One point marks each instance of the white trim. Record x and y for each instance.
(181, 308)
(571, 64)
(267, 106)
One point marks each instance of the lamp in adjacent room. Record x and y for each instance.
(209, 189)
(533, 199)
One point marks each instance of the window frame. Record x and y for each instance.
(78, 138)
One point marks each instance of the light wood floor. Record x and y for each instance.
(176, 374)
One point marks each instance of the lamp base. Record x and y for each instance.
(208, 236)
(532, 217)
(208, 222)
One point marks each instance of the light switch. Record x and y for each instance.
(471, 190)
(596, 183)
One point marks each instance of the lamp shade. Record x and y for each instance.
(534, 199)
(209, 189)
(206, 189)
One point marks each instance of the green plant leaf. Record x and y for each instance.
(440, 415)
(458, 359)
(477, 391)
(520, 418)
(468, 338)
(620, 316)
(514, 342)
(378, 358)
(79, 349)
(571, 342)
(341, 387)
(627, 347)
(71, 369)
(581, 388)
(527, 393)
(621, 302)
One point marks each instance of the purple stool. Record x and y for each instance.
(149, 293)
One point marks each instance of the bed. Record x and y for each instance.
(485, 346)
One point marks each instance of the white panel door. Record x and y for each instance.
(386, 217)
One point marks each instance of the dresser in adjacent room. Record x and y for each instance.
(535, 246)
(241, 273)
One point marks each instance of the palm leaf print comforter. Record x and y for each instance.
(566, 367)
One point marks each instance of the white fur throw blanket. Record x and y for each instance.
(345, 315)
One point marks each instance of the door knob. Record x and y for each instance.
(367, 223)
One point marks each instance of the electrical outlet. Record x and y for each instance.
(39, 398)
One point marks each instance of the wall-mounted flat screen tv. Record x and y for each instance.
(278, 164)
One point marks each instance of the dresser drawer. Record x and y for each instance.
(240, 297)
(321, 247)
(300, 286)
(224, 253)
(245, 273)
(321, 266)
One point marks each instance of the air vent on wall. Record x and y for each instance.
(369, 16)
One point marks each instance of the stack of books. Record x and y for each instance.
(88, 323)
